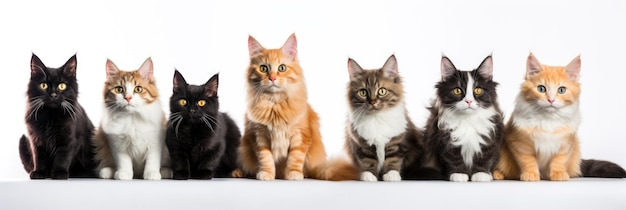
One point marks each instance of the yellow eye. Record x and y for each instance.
(362, 93)
(264, 68)
(478, 91)
(282, 68)
(382, 91)
(138, 89)
(201, 103)
(182, 102)
(118, 89)
(43, 86)
(457, 91)
(62, 86)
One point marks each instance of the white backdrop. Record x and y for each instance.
(201, 38)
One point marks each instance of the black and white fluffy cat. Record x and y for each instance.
(465, 127)
(59, 131)
(201, 140)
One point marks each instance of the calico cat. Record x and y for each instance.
(281, 137)
(380, 136)
(541, 140)
(466, 127)
(130, 142)
(59, 130)
(201, 140)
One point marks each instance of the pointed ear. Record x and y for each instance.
(573, 68)
(533, 66)
(486, 68)
(146, 70)
(36, 66)
(69, 68)
(290, 48)
(112, 69)
(210, 87)
(254, 47)
(390, 68)
(447, 68)
(179, 81)
(353, 68)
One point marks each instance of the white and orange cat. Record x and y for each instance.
(541, 134)
(281, 137)
(130, 142)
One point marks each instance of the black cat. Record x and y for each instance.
(59, 131)
(201, 140)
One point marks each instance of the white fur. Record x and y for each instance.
(459, 177)
(368, 177)
(136, 136)
(378, 128)
(481, 177)
(392, 176)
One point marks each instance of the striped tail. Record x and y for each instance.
(336, 169)
(26, 154)
(601, 169)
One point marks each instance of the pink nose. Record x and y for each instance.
(128, 98)
(272, 79)
(551, 101)
(469, 102)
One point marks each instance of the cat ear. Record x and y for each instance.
(447, 68)
(146, 69)
(390, 69)
(573, 68)
(254, 47)
(36, 66)
(354, 68)
(290, 47)
(69, 68)
(179, 81)
(210, 87)
(486, 68)
(533, 66)
(112, 69)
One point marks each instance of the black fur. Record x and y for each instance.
(58, 127)
(601, 168)
(201, 140)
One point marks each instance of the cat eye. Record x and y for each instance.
(478, 91)
(457, 91)
(201, 103)
(119, 89)
(282, 68)
(362, 93)
(62, 86)
(182, 102)
(382, 91)
(43, 86)
(138, 89)
(264, 68)
(541, 88)
(561, 90)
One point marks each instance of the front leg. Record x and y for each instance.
(208, 163)
(295, 158)
(484, 164)
(180, 163)
(394, 155)
(152, 169)
(124, 165)
(457, 170)
(526, 158)
(558, 166)
(41, 164)
(367, 159)
(61, 162)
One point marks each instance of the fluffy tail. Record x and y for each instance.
(601, 168)
(26, 154)
(336, 169)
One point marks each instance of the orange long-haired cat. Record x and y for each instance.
(541, 140)
(281, 137)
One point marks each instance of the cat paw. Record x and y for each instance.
(204, 174)
(559, 176)
(237, 173)
(181, 175)
(152, 175)
(166, 173)
(106, 173)
(392, 176)
(459, 177)
(295, 175)
(530, 177)
(498, 175)
(481, 177)
(265, 176)
(368, 177)
(60, 175)
(123, 175)
(37, 175)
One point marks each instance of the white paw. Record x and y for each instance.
(123, 175)
(481, 177)
(266, 176)
(106, 173)
(166, 173)
(152, 175)
(294, 175)
(392, 176)
(368, 177)
(459, 177)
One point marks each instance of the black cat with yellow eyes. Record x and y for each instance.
(202, 141)
(58, 142)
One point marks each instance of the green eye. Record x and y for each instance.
(382, 91)
(561, 90)
(264, 68)
(362, 93)
(478, 91)
(457, 91)
(118, 89)
(282, 68)
(62, 86)
(138, 89)
(182, 102)
(201, 103)
(43, 86)
(541, 88)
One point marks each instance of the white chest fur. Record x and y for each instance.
(467, 129)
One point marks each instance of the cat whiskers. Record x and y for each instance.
(175, 118)
(69, 108)
(36, 103)
(206, 118)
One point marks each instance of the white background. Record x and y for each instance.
(201, 38)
